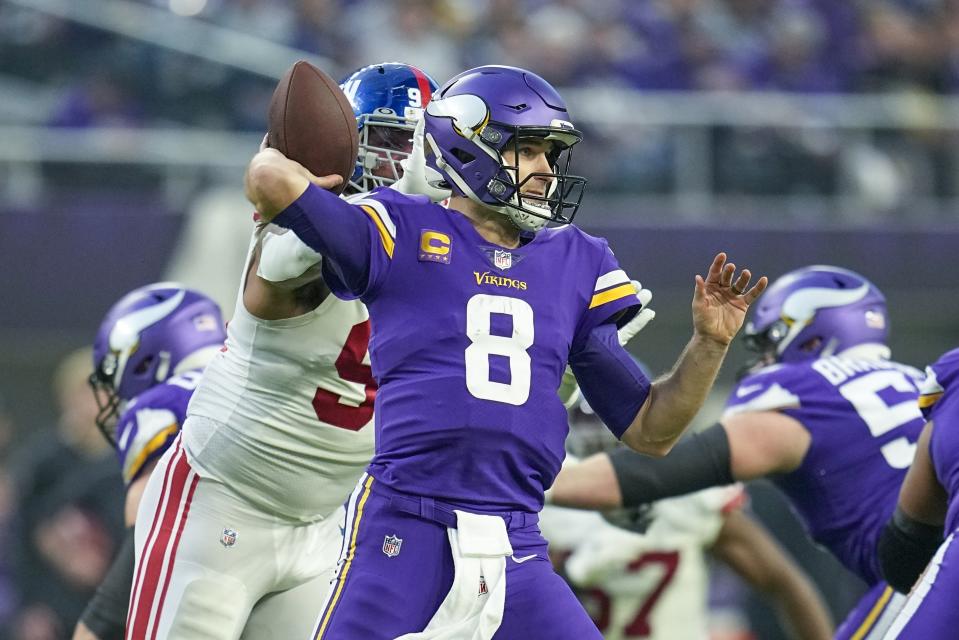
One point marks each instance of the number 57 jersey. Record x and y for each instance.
(863, 419)
(469, 343)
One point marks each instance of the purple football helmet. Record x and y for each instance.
(387, 99)
(815, 312)
(482, 112)
(150, 335)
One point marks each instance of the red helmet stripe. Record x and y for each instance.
(423, 83)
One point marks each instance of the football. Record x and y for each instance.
(311, 121)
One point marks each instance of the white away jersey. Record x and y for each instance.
(649, 585)
(284, 412)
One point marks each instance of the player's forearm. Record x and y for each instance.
(751, 551)
(676, 398)
(801, 606)
(587, 484)
(698, 462)
(272, 182)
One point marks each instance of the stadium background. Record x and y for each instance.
(787, 132)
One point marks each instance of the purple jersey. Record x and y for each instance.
(151, 421)
(864, 421)
(940, 401)
(469, 344)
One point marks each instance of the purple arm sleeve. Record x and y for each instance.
(336, 229)
(611, 381)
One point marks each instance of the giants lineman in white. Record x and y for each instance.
(239, 528)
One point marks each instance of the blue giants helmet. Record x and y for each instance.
(150, 335)
(388, 99)
(815, 312)
(482, 112)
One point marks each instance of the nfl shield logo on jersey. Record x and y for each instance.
(228, 537)
(502, 259)
(391, 546)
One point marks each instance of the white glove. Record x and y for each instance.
(418, 179)
(629, 330)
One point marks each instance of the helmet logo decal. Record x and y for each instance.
(469, 113)
(803, 304)
(127, 330)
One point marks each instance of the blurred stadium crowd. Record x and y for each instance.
(799, 46)
(810, 46)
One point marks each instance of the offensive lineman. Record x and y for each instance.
(825, 414)
(148, 356)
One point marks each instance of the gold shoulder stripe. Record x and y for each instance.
(615, 293)
(155, 443)
(381, 228)
(929, 399)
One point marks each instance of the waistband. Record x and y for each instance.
(442, 512)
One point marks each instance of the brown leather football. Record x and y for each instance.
(311, 121)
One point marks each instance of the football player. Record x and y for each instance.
(928, 505)
(477, 309)
(239, 531)
(824, 414)
(644, 572)
(148, 355)
(653, 582)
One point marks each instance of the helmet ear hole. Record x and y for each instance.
(143, 366)
(463, 156)
(812, 345)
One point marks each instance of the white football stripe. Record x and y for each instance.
(803, 304)
(382, 212)
(613, 277)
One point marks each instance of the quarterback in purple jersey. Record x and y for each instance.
(824, 413)
(148, 355)
(928, 506)
(476, 311)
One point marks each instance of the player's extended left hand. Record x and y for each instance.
(721, 300)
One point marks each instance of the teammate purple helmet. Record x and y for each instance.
(478, 115)
(149, 335)
(817, 311)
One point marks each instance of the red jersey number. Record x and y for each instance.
(350, 367)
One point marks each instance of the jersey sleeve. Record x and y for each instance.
(143, 434)
(766, 390)
(356, 236)
(284, 257)
(612, 296)
(151, 421)
(939, 376)
(612, 382)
